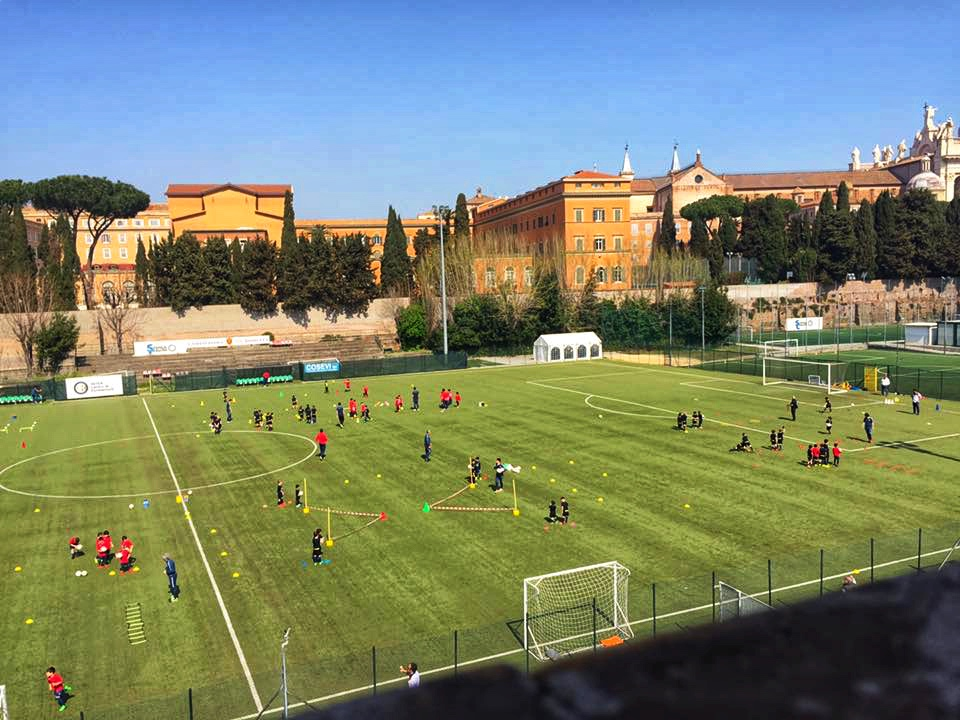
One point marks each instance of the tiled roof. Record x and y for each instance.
(198, 190)
(591, 175)
(815, 179)
(643, 185)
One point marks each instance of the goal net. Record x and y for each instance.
(826, 376)
(563, 612)
(782, 348)
(734, 603)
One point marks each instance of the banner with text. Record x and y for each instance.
(318, 367)
(94, 386)
(183, 345)
(800, 324)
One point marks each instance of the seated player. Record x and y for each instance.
(552, 512)
(76, 549)
(744, 444)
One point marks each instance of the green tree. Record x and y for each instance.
(715, 256)
(699, 237)
(547, 306)
(824, 212)
(258, 277)
(161, 269)
(395, 272)
(476, 324)
(667, 237)
(461, 219)
(587, 310)
(838, 246)
(323, 271)
(772, 241)
(293, 289)
(55, 341)
(236, 267)
(191, 278)
(100, 200)
(357, 287)
(727, 233)
(894, 258)
(14, 193)
(141, 275)
(16, 255)
(412, 326)
(719, 313)
(843, 197)
(799, 234)
(804, 264)
(65, 287)
(217, 258)
(423, 242)
(715, 206)
(639, 324)
(750, 243)
(866, 234)
(922, 223)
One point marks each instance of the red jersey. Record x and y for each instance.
(126, 545)
(816, 451)
(363, 408)
(457, 398)
(365, 391)
(346, 384)
(101, 546)
(124, 555)
(397, 402)
(353, 405)
(108, 541)
(836, 452)
(74, 540)
(321, 438)
(56, 682)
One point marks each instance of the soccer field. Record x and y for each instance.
(675, 507)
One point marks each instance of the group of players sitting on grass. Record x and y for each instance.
(105, 553)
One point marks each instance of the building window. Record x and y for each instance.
(166, 222)
(105, 238)
(601, 274)
(122, 238)
(377, 240)
(634, 228)
(617, 242)
(618, 215)
(599, 215)
(617, 273)
(154, 223)
(578, 215)
(595, 185)
(579, 276)
(106, 253)
(490, 277)
(528, 276)
(129, 290)
(599, 243)
(578, 243)
(648, 228)
(121, 223)
(123, 253)
(554, 218)
(89, 239)
(106, 291)
(138, 223)
(578, 185)
(510, 276)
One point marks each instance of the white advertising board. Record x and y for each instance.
(799, 324)
(94, 386)
(182, 345)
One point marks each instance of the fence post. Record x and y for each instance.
(871, 559)
(373, 660)
(821, 572)
(595, 625)
(526, 650)
(770, 583)
(189, 702)
(653, 589)
(456, 651)
(919, 546)
(713, 594)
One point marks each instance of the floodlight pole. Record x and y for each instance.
(283, 673)
(439, 210)
(703, 323)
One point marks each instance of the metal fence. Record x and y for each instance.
(346, 672)
(53, 389)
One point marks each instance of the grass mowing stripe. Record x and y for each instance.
(507, 653)
(206, 564)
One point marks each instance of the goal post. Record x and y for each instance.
(4, 710)
(565, 612)
(829, 377)
(789, 347)
(734, 603)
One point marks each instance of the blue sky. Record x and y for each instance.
(360, 105)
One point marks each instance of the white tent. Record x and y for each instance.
(567, 346)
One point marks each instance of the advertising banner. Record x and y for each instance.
(321, 366)
(798, 324)
(94, 386)
(183, 345)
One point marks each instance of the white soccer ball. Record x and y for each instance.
(130, 506)
(84, 573)
(79, 573)
(79, 547)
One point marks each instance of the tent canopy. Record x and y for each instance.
(556, 347)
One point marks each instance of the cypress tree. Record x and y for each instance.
(892, 255)
(839, 248)
(547, 307)
(17, 256)
(395, 272)
(69, 275)
(843, 197)
(236, 267)
(161, 269)
(727, 234)
(922, 223)
(667, 237)
(357, 287)
(772, 233)
(824, 211)
(715, 257)
(698, 237)
(461, 219)
(751, 239)
(863, 228)
(190, 285)
(323, 276)
(217, 258)
(258, 277)
(141, 275)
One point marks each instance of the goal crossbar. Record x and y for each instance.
(829, 377)
(568, 611)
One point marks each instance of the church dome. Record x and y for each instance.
(926, 181)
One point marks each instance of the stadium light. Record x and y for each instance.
(440, 211)
(703, 331)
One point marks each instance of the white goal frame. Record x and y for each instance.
(4, 710)
(608, 604)
(782, 348)
(734, 603)
(829, 385)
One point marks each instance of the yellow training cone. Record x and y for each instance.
(236, 575)
(28, 621)
(179, 499)
(329, 542)
(516, 512)
(112, 573)
(17, 568)
(213, 531)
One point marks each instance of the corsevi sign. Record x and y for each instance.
(799, 324)
(322, 366)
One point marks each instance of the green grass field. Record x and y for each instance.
(946, 362)
(589, 430)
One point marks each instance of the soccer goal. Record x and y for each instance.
(782, 348)
(4, 710)
(566, 612)
(826, 376)
(733, 603)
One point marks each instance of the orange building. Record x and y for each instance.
(237, 212)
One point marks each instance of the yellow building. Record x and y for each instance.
(237, 212)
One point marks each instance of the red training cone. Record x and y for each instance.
(383, 516)
(23, 444)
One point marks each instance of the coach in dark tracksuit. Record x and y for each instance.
(171, 569)
(793, 408)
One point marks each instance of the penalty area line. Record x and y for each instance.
(206, 564)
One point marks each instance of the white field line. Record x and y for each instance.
(699, 386)
(206, 564)
(660, 409)
(586, 401)
(900, 443)
(643, 621)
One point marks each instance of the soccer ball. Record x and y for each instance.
(79, 573)
(83, 573)
(130, 506)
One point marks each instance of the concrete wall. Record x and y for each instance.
(218, 320)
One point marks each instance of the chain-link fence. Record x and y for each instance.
(339, 674)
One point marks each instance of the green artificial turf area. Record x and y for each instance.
(676, 508)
